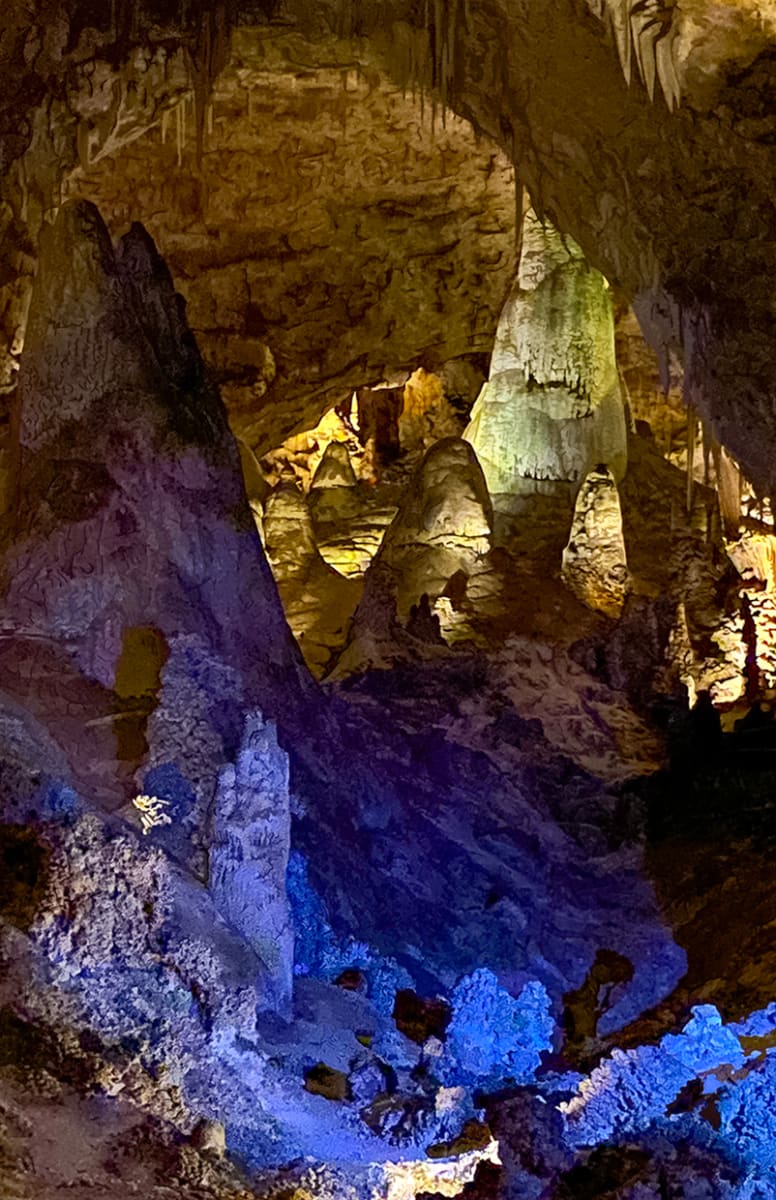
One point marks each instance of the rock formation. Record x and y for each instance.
(288, 533)
(335, 469)
(318, 601)
(594, 560)
(426, 415)
(132, 514)
(441, 532)
(552, 407)
(249, 853)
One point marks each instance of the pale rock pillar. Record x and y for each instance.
(249, 853)
(552, 408)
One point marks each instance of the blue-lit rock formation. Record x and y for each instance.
(249, 852)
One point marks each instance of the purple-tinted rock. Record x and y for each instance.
(133, 529)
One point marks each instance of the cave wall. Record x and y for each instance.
(670, 197)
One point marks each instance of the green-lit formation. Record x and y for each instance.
(552, 408)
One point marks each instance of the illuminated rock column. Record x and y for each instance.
(552, 408)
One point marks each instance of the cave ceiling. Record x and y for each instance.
(647, 135)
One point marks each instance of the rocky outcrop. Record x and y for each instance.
(594, 561)
(132, 530)
(249, 853)
(552, 407)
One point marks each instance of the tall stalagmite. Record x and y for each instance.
(552, 408)
(133, 533)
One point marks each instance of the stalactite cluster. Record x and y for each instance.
(643, 31)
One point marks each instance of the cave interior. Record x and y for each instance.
(387, 599)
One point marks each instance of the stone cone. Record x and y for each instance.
(132, 529)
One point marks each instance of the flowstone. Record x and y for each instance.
(552, 407)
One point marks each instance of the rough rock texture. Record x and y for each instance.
(132, 527)
(288, 532)
(317, 599)
(594, 561)
(426, 414)
(249, 853)
(369, 239)
(552, 407)
(334, 469)
(447, 813)
(440, 535)
(672, 203)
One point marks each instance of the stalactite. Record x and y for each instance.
(644, 30)
(692, 430)
(180, 130)
(207, 59)
(706, 441)
(728, 476)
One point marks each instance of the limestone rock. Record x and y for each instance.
(442, 532)
(594, 561)
(318, 600)
(335, 469)
(289, 533)
(249, 852)
(327, 1082)
(552, 407)
(426, 414)
(446, 506)
(305, 294)
(255, 485)
(133, 528)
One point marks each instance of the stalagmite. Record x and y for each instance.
(729, 489)
(692, 434)
(440, 537)
(335, 469)
(131, 500)
(552, 407)
(594, 562)
(249, 852)
(288, 533)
